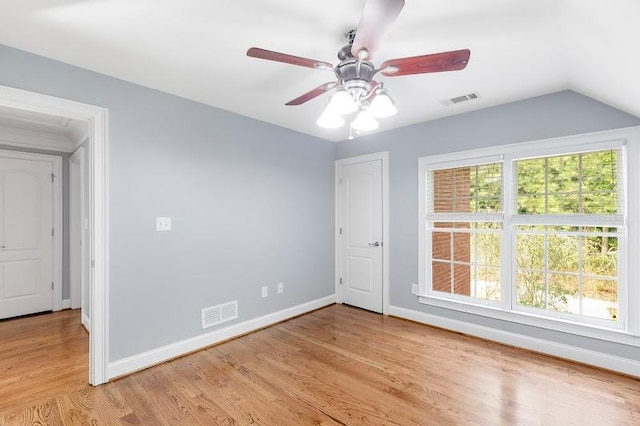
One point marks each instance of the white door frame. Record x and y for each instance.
(386, 247)
(77, 214)
(56, 162)
(97, 118)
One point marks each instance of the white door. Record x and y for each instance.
(361, 244)
(26, 240)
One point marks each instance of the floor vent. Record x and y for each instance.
(459, 99)
(219, 314)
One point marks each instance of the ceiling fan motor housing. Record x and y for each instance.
(352, 69)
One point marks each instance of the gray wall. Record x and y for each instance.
(559, 114)
(251, 203)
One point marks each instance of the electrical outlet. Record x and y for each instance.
(265, 291)
(414, 288)
(280, 288)
(163, 224)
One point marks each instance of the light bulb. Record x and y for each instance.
(364, 122)
(342, 103)
(330, 120)
(382, 105)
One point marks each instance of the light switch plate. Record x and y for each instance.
(163, 224)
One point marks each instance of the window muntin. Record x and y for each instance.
(571, 270)
(581, 202)
(465, 259)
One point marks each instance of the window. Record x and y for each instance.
(464, 207)
(536, 233)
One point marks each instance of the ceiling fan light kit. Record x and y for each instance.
(365, 122)
(356, 91)
(329, 120)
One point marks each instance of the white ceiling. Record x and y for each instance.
(196, 49)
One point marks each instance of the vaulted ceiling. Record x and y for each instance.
(196, 49)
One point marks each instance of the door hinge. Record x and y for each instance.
(340, 231)
(53, 232)
(340, 280)
(340, 181)
(52, 286)
(53, 177)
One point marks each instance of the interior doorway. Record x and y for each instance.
(362, 243)
(96, 119)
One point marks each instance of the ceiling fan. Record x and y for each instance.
(356, 91)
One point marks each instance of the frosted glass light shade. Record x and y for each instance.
(365, 122)
(330, 120)
(382, 106)
(342, 103)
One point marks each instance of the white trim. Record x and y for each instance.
(585, 356)
(56, 166)
(626, 139)
(97, 118)
(530, 318)
(77, 205)
(633, 235)
(34, 139)
(156, 356)
(66, 303)
(595, 141)
(386, 241)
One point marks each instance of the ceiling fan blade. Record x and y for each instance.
(313, 93)
(437, 62)
(256, 52)
(377, 18)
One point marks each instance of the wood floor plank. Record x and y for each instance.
(335, 366)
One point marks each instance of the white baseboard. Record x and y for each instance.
(86, 322)
(156, 356)
(598, 359)
(66, 303)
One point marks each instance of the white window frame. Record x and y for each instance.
(629, 266)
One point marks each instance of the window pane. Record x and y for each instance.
(466, 258)
(563, 289)
(441, 276)
(441, 245)
(530, 289)
(485, 249)
(601, 299)
(601, 255)
(462, 279)
(465, 189)
(562, 253)
(486, 283)
(530, 251)
(569, 184)
(568, 269)
(462, 247)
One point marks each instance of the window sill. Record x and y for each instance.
(525, 318)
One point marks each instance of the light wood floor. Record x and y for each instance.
(335, 366)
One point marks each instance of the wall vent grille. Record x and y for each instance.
(219, 314)
(459, 99)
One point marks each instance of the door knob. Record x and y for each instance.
(376, 244)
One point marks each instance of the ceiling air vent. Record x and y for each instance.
(219, 314)
(460, 99)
